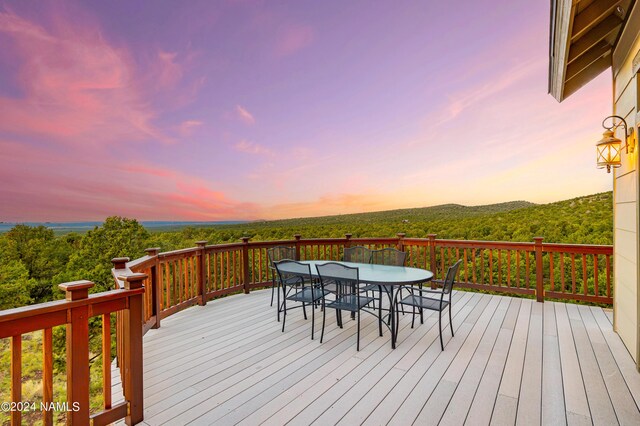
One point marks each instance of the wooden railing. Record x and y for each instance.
(183, 278)
(157, 285)
(75, 312)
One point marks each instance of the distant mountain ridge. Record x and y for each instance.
(451, 210)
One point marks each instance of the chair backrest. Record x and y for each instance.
(292, 272)
(451, 276)
(280, 253)
(388, 256)
(357, 254)
(346, 278)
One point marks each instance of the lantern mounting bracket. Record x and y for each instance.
(629, 145)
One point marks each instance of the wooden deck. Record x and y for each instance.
(511, 361)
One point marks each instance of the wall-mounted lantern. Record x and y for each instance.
(608, 149)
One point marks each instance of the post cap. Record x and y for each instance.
(401, 234)
(201, 243)
(76, 290)
(297, 236)
(152, 251)
(538, 239)
(119, 262)
(245, 239)
(133, 281)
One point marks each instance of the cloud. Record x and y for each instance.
(76, 88)
(74, 186)
(187, 127)
(253, 148)
(293, 39)
(244, 115)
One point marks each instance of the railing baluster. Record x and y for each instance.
(16, 377)
(499, 268)
(595, 275)
(585, 284)
(106, 360)
(518, 282)
(490, 267)
(573, 273)
(527, 269)
(482, 281)
(551, 279)
(466, 266)
(508, 268)
(47, 374)
(562, 277)
(608, 267)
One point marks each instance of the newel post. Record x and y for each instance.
(119, 263)
(78, 352)
(539, 270)
(400, 244)
(432, 253)
(246, 275)
(202, 275)
(133, 321)
(432, 257)
(297, 243)
(155, 286)
(347, 242)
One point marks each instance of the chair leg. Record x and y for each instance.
(284, 313)
(440, 326)
(313, 317)
(339, 318)
(450, 321)
(380, 314)
(273, 287)
(324, 316)
(278, 301)
(413, 319)
(304, 310)
(358, 338)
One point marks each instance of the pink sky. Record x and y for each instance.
(247, 109)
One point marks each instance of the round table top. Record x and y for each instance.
(379, 274)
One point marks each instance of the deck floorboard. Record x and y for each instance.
(511, 361)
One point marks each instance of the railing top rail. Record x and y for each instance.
(482, 244)
(578, 248)
(271, 243)
(222, 247)
(141, 263)
(381, 239)
(178, 252)
(62, 305)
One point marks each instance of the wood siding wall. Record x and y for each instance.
(626, 191)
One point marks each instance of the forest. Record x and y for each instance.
(33, 260)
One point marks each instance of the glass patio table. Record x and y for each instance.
(391, 277)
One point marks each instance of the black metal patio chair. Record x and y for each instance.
(419, 299)
(348, 295)
(357, 254)
(386, 256)
(298, 286)
(276, 254)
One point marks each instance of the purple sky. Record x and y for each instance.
(206, 110)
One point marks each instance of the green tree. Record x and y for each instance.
(117, 237)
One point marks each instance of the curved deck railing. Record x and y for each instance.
(182, 278)
(157, 285)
